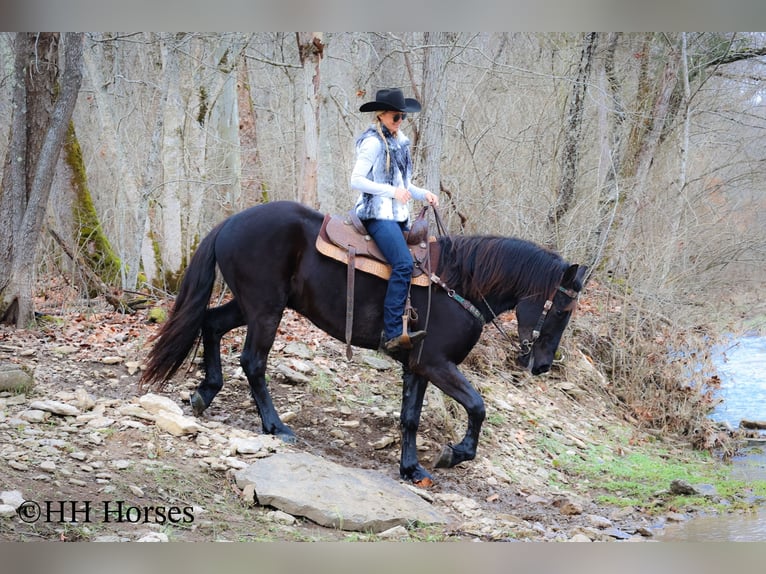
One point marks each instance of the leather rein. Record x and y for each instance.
(525, 346)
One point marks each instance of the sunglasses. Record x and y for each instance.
(397, 117)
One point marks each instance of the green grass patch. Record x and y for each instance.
(641, 476)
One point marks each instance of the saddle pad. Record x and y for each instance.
(363, 262)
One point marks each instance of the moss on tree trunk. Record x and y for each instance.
(93, 244)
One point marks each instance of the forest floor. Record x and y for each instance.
(559, 458)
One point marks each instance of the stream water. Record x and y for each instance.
(741, 365)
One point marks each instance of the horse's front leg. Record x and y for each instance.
(452, 382)
(413, 391)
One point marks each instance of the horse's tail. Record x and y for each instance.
(179, 333)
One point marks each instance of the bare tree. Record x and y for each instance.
(42, 111)
(310, 50)
(569, 159)
(434, 95)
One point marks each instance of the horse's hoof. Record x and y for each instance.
(287, 438)
(424, 482)
(445, 458)
(197, 404)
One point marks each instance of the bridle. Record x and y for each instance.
(525, 346)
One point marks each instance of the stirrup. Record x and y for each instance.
(404, 342)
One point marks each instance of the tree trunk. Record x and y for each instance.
(38, 129)
(310, 48)
(644, 147)
(116, 156)
(223, 145)
(434, 95)
(572, 139)
(169, 208)
(611, 119)
(88, 234)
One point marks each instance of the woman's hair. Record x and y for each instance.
(376, 117)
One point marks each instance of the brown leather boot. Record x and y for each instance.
(404, 342)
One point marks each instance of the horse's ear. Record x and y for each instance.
(573, 277)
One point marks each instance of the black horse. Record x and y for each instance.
(267, 257)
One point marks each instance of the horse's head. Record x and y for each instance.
(542, 322)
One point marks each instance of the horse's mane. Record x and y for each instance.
(476, 266)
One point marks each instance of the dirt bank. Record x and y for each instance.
(347, 411)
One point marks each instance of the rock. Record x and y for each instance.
(579, 537)
(568, 507)
(235, 463)
(288, 416)
(156, 403)
(468, 507)
(34, 415)
(291, 376)
(599, 521)
(302, 366)
(248, 494)
(7, 510)
(100, 422)
(55, 407)
(377, 363)
(13, 498)
(335, 496)
(15, 380)
(137, 491)
(65, 349)
(132, 367)
(176, 424)
(383, 442)
(617, 533)
(706, 490)
(571, 389)
(298, 349)
(110, 538)
(280, 517)
(682, 487)
(112, 360)
(83, 400)
(395, 533)
(154, 537)
(135, 411)
(748, 424)
(246, 445)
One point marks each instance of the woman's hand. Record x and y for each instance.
(432, 199)
(402, 195)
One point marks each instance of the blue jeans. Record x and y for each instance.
(389, 239)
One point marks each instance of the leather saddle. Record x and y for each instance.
(341, 235)
(345, 239)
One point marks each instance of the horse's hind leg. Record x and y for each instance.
(260, 338)
(218, 322)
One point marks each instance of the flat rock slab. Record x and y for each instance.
(15, 379)
(332, 495)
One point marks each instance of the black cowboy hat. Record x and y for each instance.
(391, 99)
